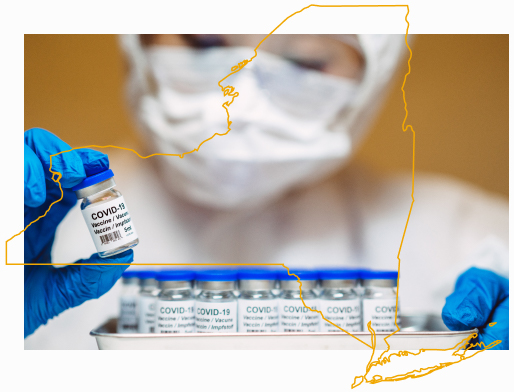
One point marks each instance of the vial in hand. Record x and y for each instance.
(106, 214)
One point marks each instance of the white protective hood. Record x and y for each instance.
(253, 177)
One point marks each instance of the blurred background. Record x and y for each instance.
(457, 96)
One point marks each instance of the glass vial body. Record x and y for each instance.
(257, 305)
(109, 222)
(293, 315)
(379, 305)
(175, 310)
(339, 301)
(342, 306)
(147, 300)
(106, 214)
(129, 298)
(216, 305)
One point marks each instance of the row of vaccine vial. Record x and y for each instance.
(257, 300)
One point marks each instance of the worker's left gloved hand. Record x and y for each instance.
(49, 290)
(480, 299)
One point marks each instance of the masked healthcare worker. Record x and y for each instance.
(278, 188)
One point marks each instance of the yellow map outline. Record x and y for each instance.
(228, 90)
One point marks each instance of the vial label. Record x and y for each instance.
(257, 315)
(216, 317)
(295, 317)
(146, 314)
(110, 224)
(344, 313)
(175, 316)
(381, 313)
(127, 322)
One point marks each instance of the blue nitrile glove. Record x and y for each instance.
(48, 290)
(480, 298)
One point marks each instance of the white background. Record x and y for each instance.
(61, 370)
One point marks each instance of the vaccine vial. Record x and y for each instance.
(147, 297)
(339, 302)
(257, 309)
(128, 319)
(359, 289)
(216, 305)
(175, 310)
(379, 300)
(293, 315)
(106, 214)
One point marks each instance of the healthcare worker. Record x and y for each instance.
(279, 188)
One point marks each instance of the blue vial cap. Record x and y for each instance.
(257, 274)
(129, 274)
(216, 276)
(302, 274)
(339, 274)
(94, 179)
(175, 275)
(368, 274)
(146, 274)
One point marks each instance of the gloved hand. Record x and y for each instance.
(480, 298)
(48, 290)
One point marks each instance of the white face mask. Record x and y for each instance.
(284, 132)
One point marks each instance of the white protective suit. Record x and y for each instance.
(348, 217)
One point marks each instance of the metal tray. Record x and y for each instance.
(418, 331)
